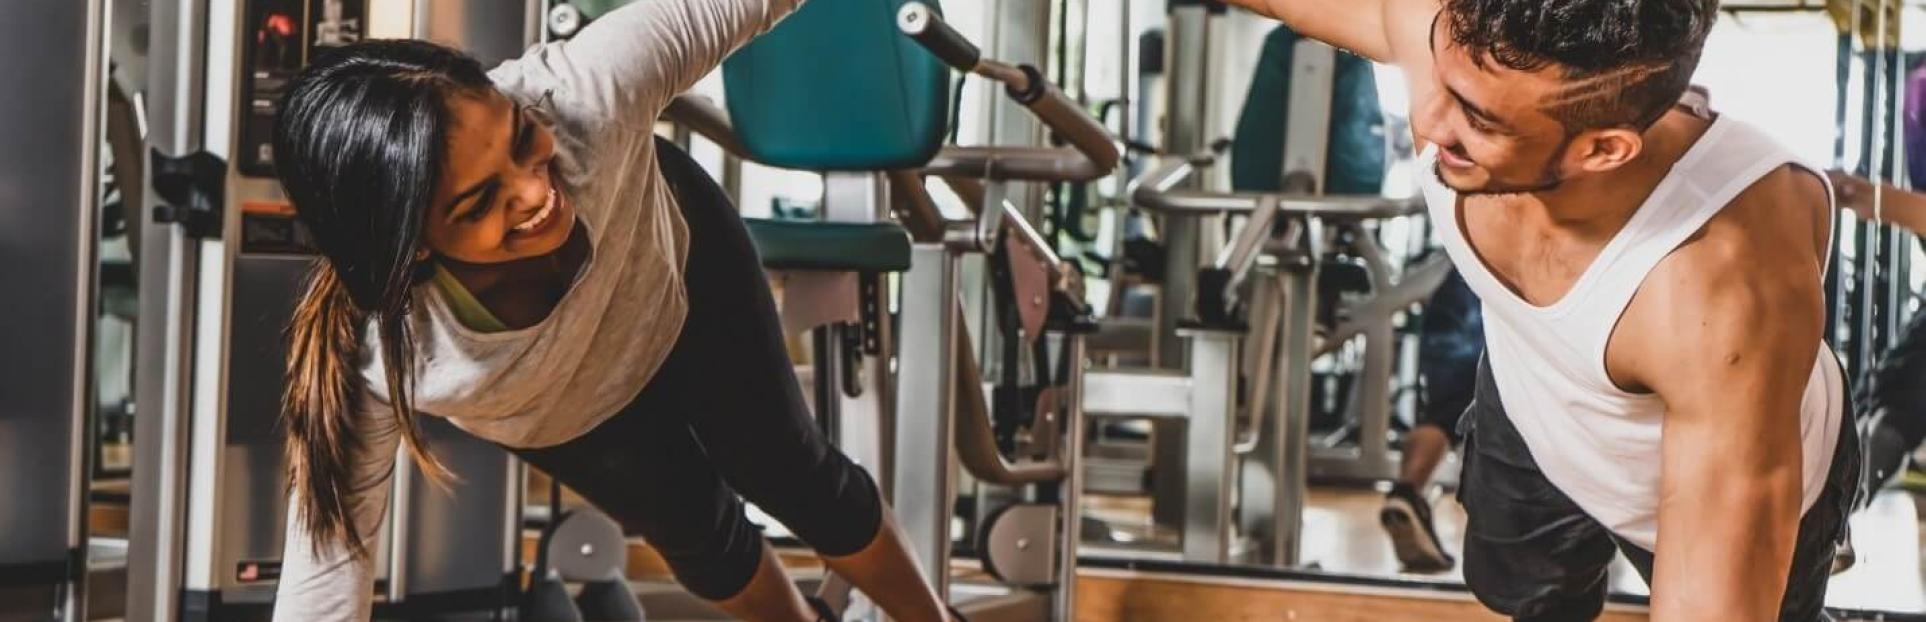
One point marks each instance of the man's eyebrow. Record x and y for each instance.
(1474, 110)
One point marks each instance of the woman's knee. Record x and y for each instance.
(835, 506)
(717, 565)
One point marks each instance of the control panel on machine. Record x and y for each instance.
(281, 37)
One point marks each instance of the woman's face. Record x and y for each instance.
(497, 199)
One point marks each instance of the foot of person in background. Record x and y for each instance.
(1407, 517)
(1844, 557)
(1887, 451)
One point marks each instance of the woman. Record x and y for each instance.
(515, 252)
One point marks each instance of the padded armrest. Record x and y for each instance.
(830, 246)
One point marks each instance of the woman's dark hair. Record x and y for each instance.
(359, 147)
(1629, 60)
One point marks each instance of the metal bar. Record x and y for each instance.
(1297, 288)
(82, 410)
(1336, 207)
(1414, 287)
(1308, 115)
(1095, 153)
(1072, 498)
(977, 196)
(1242, 254)
(1188, 121)
(1144, 393)
(923, 453)
(167, 286)
(1168, 175)
(1073, 124)
(401, 515)
(1209, 463)
(704, 117)
(975, 437)
(1260, 347)
(915, 209)
(1017, 164)
(855, 197)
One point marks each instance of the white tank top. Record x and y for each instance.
(1596, 443)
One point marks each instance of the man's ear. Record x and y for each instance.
(1598, 151)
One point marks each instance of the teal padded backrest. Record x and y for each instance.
(1355, 161)
(835, 87)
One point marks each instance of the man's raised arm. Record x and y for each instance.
(1363, 27)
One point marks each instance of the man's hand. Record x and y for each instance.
(1880, 203)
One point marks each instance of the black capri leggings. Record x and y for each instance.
(723, 416)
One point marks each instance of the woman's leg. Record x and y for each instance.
(753, 421)
(653, 477)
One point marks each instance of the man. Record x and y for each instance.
(1654, 378)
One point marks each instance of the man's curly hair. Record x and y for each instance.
(1627, 61)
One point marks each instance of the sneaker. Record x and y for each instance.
(1886, 455)
(1843, 557)
(1407, 517)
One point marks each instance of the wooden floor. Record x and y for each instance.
(1342, 537)
(1344, 541)
(1130, 597)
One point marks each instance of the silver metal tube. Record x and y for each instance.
(1147, 188)
(1261, 357)
(1242, 254)
(704, 117)
(977, 195)
(1333, 207)
(1414, 287)
(925, 409)
(165, 333)
(1001, 72)
(1075, 125)
(1190, 93)
(974, 434)
(1015, 164)
(1297, 288)
(401, 510)
(1208, 460)
(1072, 526)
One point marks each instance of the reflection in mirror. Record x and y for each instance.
(1827, 82)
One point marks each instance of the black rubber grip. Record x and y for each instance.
(922, 23)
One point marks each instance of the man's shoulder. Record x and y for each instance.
(1779, 221)
(1753, 267)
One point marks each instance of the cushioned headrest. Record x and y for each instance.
(1355, 161)
(836, 87)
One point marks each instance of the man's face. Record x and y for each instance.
(1489, 124)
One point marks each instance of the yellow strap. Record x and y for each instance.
(468, 310)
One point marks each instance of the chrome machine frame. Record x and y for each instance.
(1260, 289)
(1260, 295)
(939, 373)
(221, 264)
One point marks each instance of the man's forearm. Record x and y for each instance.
(1734, 557)
(1903, 208)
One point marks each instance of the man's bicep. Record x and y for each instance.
(1736, 341)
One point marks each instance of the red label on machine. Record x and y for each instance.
(257, 571)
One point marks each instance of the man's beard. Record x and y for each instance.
(1548, 178)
